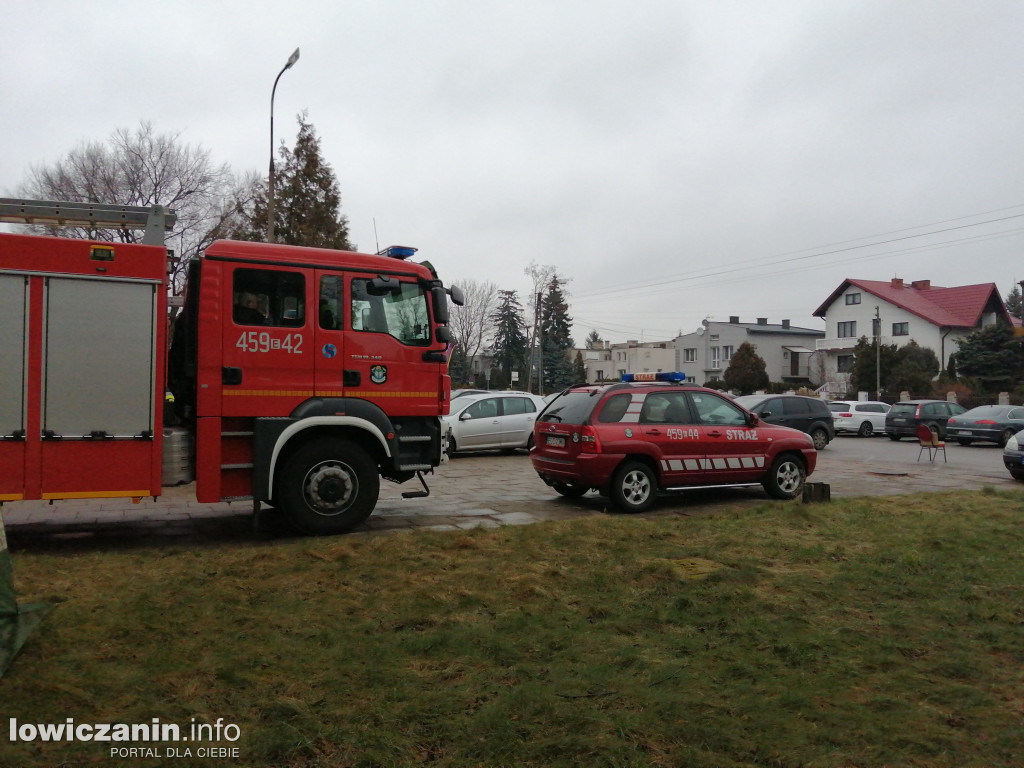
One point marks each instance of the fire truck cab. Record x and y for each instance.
(304, 375)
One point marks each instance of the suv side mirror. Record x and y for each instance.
(752, 420)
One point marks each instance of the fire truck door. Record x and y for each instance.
(388, 336)
(329, 337)
(13, 352)
(268, 341)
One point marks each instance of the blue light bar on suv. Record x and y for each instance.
(676, 376)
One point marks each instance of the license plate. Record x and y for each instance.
(558, 442)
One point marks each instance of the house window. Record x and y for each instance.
(726, 353)
(716, 357)
(901, 329)
(848, 330)
(853, 298)
(690, 355)
(714, 337)
(600, 375)
(844, 363)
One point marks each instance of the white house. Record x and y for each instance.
(610, 361)
(786, 349)
(934, 317)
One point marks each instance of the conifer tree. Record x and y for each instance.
(307, 199)
(556, 325)
(747, 371)
(510, 346)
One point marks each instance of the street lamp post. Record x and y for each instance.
(270, 183)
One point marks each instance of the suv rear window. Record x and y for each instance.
(904, 408)
(572, 407)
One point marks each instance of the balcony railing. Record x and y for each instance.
(848, 342)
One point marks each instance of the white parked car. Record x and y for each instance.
(502, 420)
(860, 417)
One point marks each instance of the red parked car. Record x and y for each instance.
(632, 440)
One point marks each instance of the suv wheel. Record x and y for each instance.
(820, 439)
(865, 429)
(786, 477)
(634, 487)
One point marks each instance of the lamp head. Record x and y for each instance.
(292, 59)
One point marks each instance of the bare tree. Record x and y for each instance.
(472, 324)
(144, 168)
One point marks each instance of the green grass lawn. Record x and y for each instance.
(865, 632)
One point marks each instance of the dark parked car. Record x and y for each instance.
(1013, 458)
(991, 423)
(808, 414)
(903, 417)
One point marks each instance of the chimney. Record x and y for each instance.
(762, 321)
(734, 319)
(921, 285)
(897, 282)
(785, 324)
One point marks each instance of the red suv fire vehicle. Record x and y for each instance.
(653, 433)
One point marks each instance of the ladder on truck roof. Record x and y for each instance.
(154, 219)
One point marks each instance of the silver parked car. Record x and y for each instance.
(861, 417)
(502, 420)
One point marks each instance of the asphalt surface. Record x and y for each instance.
(483, 490)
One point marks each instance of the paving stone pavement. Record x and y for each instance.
(485, 490)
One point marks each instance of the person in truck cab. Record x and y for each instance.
(247, 310)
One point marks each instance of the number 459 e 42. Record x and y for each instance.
(262, 341)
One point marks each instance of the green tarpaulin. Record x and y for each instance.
(16, 622)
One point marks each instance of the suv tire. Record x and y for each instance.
(634, 487)
(819, 437)
(570, 490)
(786, 477)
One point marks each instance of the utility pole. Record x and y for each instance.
(877, 323)
(540, 346)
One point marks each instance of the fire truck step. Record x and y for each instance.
(236, 466)
(237, 434)
(414, 438)
(416, 467)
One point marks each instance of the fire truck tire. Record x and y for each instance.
(328, 486)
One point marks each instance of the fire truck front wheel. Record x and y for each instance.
(329, 486)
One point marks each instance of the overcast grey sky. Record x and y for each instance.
(675, 160)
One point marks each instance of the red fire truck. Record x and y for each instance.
(303, 375)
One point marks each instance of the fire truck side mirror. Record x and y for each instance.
(440, 298)
(443, 334)
(458, 297)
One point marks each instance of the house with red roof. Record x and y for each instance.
(934, 317)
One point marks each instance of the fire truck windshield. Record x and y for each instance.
(400, 312)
